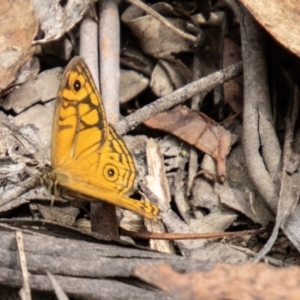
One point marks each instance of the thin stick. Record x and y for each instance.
(179, 96)
(104, 220)
(188, 236)
(196, 102)
(25, 293)
(18, 190)
(59, 292)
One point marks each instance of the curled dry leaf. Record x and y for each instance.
(18, 28)
(197, 131)
(215, 19)
(225, 281)
(169, 75)
(56, 19)
(156, 39)
(133, 58)
(280, 19)
(131, 84)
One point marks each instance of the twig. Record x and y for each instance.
(59, 292)
(25, 293)
(196, 101)
(188, 236)
(89, 47)
(179, 96)
(104, 218)
(18, 190)
(109, 45)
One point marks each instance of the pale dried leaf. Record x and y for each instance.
(28, 71)
(18, 28)
(60, 214)
(156, 39)
(40, 117)
(133, 58)
(169, 75)
(42, 88)
(56, 19)
(131, 85)
(218, 252)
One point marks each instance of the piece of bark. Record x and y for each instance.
(157, 182)
(82, 267)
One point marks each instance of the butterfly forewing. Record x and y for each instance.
(88, 157)
(79, 124)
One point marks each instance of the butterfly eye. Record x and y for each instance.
(77, 85)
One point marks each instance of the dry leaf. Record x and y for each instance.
(18, 28)
(197, 131)
(39, 117)
(236, 193)
(42, 88)
(169, 75)
(65, 214)
(131, 85)
(29, 70)
(156, 39)
(280, 19)
(133, 58)
(56, 19)
(224, 281)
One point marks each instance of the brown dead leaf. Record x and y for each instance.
(280, 19)
(197, 131)
(225, 281)
(18, 27)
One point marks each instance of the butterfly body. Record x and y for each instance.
(88, 158)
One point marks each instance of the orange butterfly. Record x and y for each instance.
(89, 160)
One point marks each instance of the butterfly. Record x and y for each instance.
(89, 159)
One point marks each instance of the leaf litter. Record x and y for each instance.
(156, 60)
